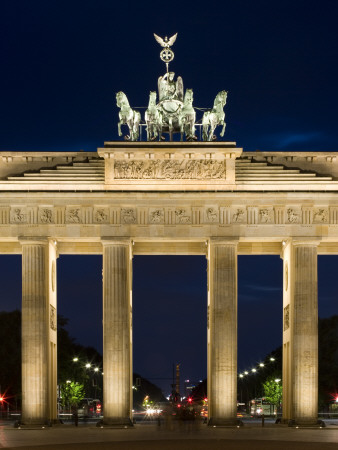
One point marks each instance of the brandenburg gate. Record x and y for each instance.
(150, 198)
(159, 197)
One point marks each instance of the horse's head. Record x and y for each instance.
(221, 98)
(121, 99)
(152, 99)
(188, 97)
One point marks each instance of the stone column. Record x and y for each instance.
(300, 333)
(38, 331)
(117, 332)
(222, 333)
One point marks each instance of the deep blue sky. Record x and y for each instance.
(62, 63)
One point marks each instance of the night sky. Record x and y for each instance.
(62, 63)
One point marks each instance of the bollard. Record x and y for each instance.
(262, 420)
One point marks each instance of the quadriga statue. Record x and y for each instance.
(127, 116)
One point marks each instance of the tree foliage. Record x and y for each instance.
(72, 393)
(273, 391)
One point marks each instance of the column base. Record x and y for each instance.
(34, 424)
(231, 422)
(315, 423)
(123, 422)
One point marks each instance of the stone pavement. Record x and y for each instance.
(150, 437)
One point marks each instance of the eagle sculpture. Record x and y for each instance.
(166, 43)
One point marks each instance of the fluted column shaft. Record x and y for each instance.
(300, 342)
(38, 333)
(222, 333)
(117, 333)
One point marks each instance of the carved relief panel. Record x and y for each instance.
(169, 170)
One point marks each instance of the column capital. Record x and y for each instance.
(34, 240)
(223, 241)
(119, 240)
(306, 242)
(298, 242)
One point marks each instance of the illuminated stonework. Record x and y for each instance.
(169, 198)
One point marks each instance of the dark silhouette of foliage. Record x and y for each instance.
(143, 388)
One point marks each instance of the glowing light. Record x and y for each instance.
(96, 369)
(241, 375)
(272, 359)
(246, 373)
(88, 365)
(277, 380)
(253, 370)
(75, 359)
(68, 381)
(261, 365)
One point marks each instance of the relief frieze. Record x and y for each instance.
(73, 215)
(320, 215)
(46, 215)
(101, 215)
(18, 215)
(169, 170)
(211, 215)
(292, 216)
(170, 215)
(128, 215)
(266, 215)
(239, 215)
(182, 217)
(156, 216)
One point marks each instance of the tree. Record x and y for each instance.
(72, 393)
(273, 391)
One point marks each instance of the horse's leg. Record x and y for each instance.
(205, 132)
(212, 130)
(223, 129)
(119, 128)
(170, 129)
(182, 125)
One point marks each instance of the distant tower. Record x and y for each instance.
(178, 378)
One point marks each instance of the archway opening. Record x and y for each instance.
(170, 319)
(79, 307)
(10, 335)
(328, 336)
(260, 321)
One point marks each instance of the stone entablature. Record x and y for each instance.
(236, 214)
(173, 166)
